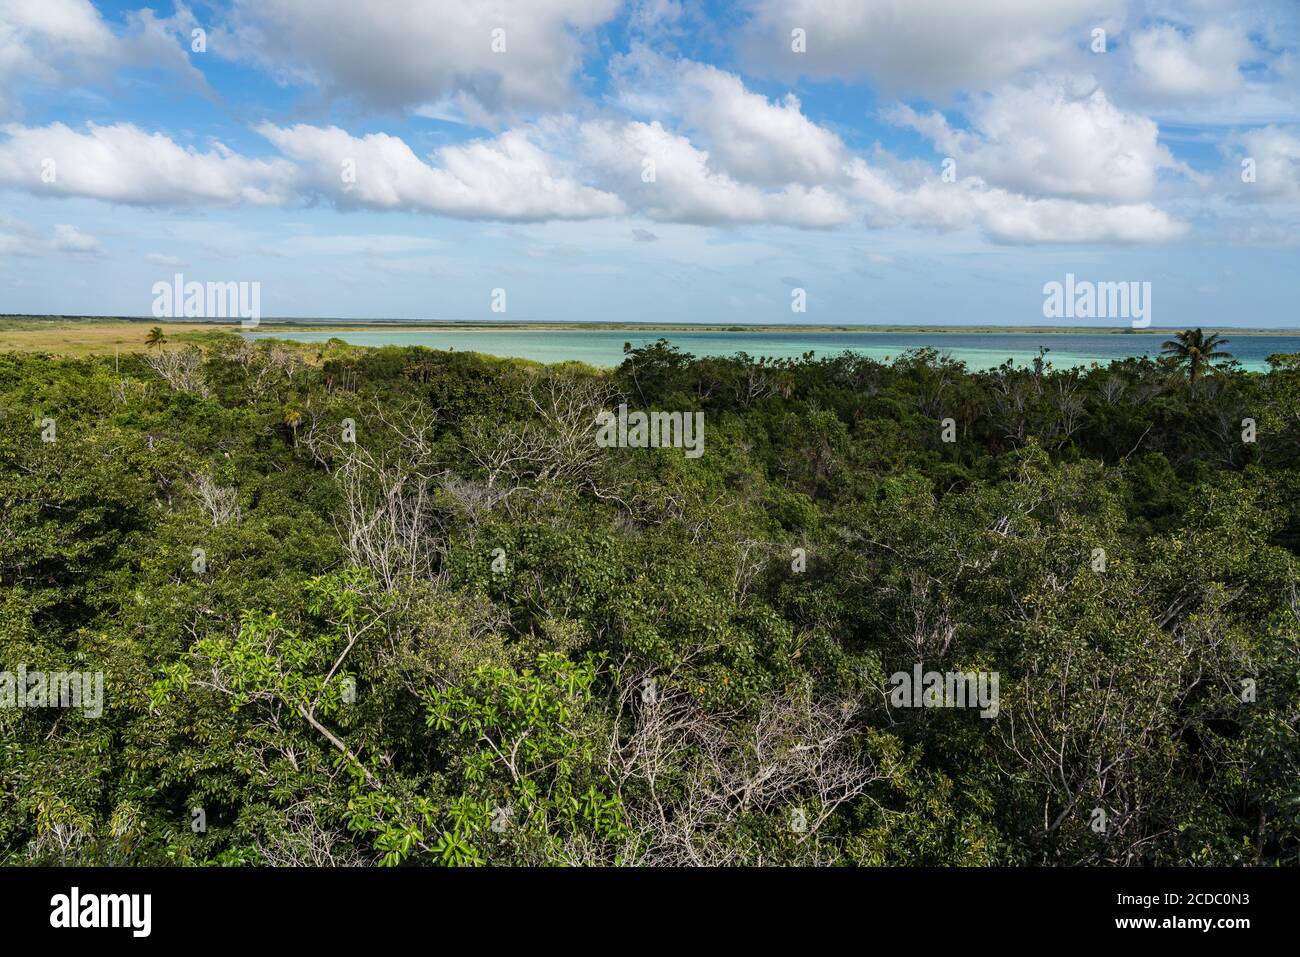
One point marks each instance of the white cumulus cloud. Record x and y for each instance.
(1204, 62)
(63, 43)
(404, 54)
(124, 164)
(930, 47)
(1046, 140)
(1276, 156)
(662, 175)
(1002, 215)
(748, 136)
(506, 177)
(19, 239)
(70, 239)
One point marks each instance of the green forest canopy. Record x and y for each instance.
(471, 636)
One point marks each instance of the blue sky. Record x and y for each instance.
(383, 160)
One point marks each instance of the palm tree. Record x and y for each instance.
(155, 338)
(293, 419)
(1195, 349)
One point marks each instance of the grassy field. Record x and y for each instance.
(81, 337)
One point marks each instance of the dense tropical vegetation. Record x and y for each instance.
(395, 606)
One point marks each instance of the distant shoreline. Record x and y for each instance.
(18, 321)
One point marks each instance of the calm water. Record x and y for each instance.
(979, 350)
